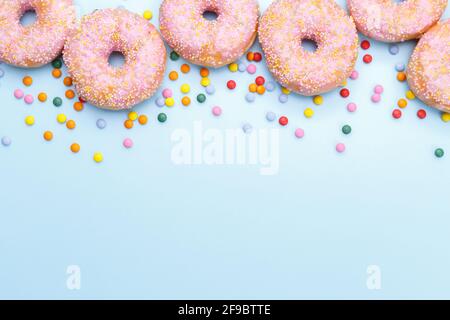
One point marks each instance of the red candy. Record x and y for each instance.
(397, 114)
(260, 81)
(283, 121)
(231, 84)
(367, 58)
(257, 57)
(365, 44)
(422, 114)
(345, 93)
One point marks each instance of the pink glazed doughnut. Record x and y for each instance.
(429, 67)
(100, 34)
(37, 44)
(287, 23)
(210, 43)
(388, 21)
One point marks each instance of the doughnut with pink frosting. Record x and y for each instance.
(37, 44)
(87, 53)
(389, 21)
(429, 67)
(211, 43)
(284, 26)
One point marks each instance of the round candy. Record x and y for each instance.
(439, 153)
(270, 116)
(6, 141)
(101, 124)
(340, 147)
(128, 143)
(216, 111)
(352, 107)
(346, 129)
(299, 133)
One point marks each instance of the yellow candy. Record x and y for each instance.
(29, 120)
(410, 95)
(445, 117)
(285, 90)
(61, 118)
(148, 15)
(233, 67)
(98, 157)
(133, 116)
(318, 100)
(185, 88)
(170, 102)
(205, 82)
(309, 113)
(402, 103)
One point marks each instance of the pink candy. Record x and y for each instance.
(354, 75)
(18, 94)
(340, 147)
(299, 133)
(217, 111)
(376, 98)
(128, 143)
(352, 107)
(29, 99)
(167, 93)
(251, 68)
(378, 89)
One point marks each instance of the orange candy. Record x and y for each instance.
(71, 124)
(250, 56)
(252, 87)
(261, 90)
(27, 81)
(129, 124)
(185, 68)
(75, 148)
(78, 106)
(56, 73)
(401, 76)
(70, 94)
(173, 76)
(204, 72)
(42, 97)
(143, 120)
(186, 101)
(48, 135)
(68, 81)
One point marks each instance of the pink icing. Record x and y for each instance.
(209, 43)
(428, 70)
(388, 21)
(41, 42)
(103, 32)
(283, 27)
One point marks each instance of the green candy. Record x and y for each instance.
(439, 153)
(174, 56)
(57, 63)
(201, 98)
(347, 129)
(162, 117)
(57, 102)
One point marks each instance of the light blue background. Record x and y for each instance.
(141, 227)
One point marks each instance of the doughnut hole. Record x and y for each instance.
(309, 45)
(210, 15)
(28, 17)
(116, 59)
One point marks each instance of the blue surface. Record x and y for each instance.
(140, 226)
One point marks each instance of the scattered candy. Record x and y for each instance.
(365, 44)
(57, 102)
(75, 148)
(128, 143)
(250, 97)
(201, 98)
(148, 15)
(421, 114)
(18, 94)
(174, 56)
(394, 49)
(217, 111)
(160, 102)
(251, 69)
(173, 75)
(6, 141)
(167, 93)
(439, 153)
(48, 135)
(162, 117)
(340, 147)
(210, 89)
(402, 103)
(367, 58)
(399, 67)
(71, 124)
(346, 129)
(299, 133)
(318, 100)
(283, 98)
(378, 89)
(309, 113)
(42, 97)
(247, 128)
(352, 107)
(445, 117)
(345, 93)
(376, 98)
(397, 114)
(143, 119)
(28, 99)
(283, 121)
(410, 95)
(270, 86)
(231, 85)
(354, 75)
(401, 76)
(27, 81)
(101, 124)
(98, 157)
(270, 116)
